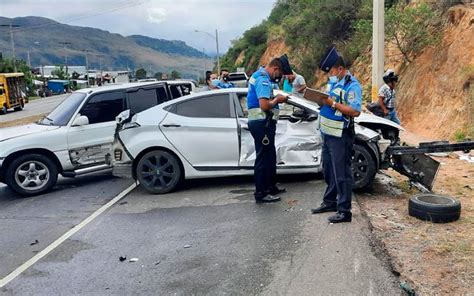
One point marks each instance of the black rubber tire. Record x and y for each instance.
(434, 207)
(171, 174)
(363, 167)
(19, 108)
(3, 110)
(10, 172)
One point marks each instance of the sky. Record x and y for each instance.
(165, 19)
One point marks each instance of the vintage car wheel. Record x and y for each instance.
(363, 167)
(31, 174)
(158, 172)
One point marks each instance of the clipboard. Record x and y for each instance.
(314, 95)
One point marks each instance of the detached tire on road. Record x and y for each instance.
(31, 174)
(434, 207)
(159, 172)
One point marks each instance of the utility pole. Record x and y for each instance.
(216, 38)
(65, 43)
(11, 26)
(28, 56)
(218, 57)
(87, 65)
(378, 42)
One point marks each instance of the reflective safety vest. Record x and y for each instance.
(257, 114)
(333, 122)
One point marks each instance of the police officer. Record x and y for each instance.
(262, 118)
(223, 82)
(337, 128)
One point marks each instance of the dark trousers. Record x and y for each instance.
(337, 171)
(265, 163)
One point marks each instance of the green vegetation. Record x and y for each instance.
(412, 28)
(175, 74)
(308, 27)
(60, 73)
(140, 74)
(6, 66)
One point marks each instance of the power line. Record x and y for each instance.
(89, 14)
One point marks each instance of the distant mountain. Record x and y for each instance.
(44, 39)
(167, 46)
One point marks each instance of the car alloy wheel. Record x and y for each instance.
(32, 175)
(363, 167)
(158, 172)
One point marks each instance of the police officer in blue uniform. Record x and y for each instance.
(262, 118)
(337, 128)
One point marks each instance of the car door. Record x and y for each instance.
(298, 144)
(204, 130)
(88, 144)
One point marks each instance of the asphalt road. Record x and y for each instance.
(36, 107)
(209, 238)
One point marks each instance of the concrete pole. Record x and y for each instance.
(87, 67)
(13, 47)
(378, 39)
(218, 57)
(28, 56)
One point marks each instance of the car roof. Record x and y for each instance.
(91, 90)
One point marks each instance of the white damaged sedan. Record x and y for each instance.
(206, 135)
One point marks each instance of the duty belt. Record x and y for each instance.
(257, 113)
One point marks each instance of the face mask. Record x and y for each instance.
(215, 82)
(335, 78)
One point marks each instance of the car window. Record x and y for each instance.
(242, 110)
(142, 99)
(175, 91)
(162, 94)
(63, 112)
(235, 77)
(216, 106)
(104, 107)
(186, 89)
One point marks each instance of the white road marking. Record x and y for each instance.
(64, 237)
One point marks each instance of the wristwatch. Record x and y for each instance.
(333, 106)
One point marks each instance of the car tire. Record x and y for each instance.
(434, 207)
(22, 105)
(31, 174)
(363, 167)
(159, 172)
(3, 110)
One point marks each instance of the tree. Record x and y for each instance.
(60, 73)
(411, 28)
(158, 75)
(140, 74)
(175, 74)
(6, 66)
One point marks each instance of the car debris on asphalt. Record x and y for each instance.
(34, 243)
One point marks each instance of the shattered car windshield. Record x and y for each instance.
(61, 115)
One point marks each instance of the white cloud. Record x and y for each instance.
(157, 15)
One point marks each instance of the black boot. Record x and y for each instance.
(267, 199)
(341, 217)
(323, 208)
(277, 190)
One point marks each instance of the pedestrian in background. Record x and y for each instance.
(223, 82)
(298, 83)
(387, 96)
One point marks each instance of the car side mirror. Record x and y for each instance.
(80, 120)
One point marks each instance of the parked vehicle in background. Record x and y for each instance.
(239, 79)
(12, 92)
(76, 136)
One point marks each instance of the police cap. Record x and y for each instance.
(330, 57)
(286, 68)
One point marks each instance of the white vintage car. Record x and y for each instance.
(76, 136)
(206, 135)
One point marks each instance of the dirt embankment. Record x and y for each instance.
(436, 91)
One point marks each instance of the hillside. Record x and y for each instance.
(43, 38)
(436, 101)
